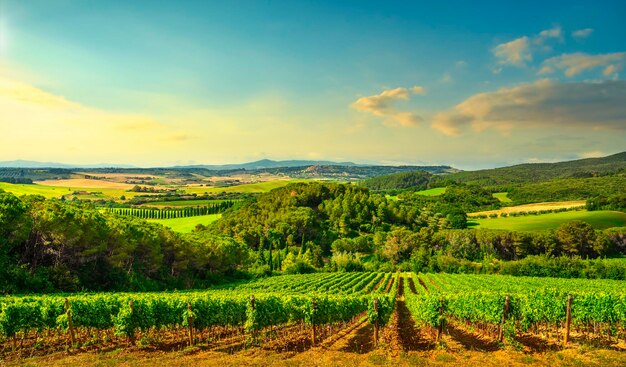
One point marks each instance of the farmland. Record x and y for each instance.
(598, 219)
(187, 224)
(432, 192)
(50, 192)
(97, 189)
(503, 197)
(535, 207)
(381, 315)
(256, 187)
(182, 203)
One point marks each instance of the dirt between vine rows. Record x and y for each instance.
(401, 343)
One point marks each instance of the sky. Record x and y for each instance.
(158, 83)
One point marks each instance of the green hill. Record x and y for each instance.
(535, 172)
(417, 180)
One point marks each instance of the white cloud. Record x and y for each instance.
(516, 52)
(582, 33)
(520, 51)
(556, 33)
(542, 104)
(418, 90)
(576, 63)
(381, 105)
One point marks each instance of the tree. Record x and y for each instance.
(579, 238)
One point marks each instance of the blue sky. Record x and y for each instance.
(158, 83)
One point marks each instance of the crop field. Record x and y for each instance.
(181, 203)
(432, 192)
(334, 313)
(187, 224)
(598, 219)
(503, 197)
(86, 183)
(534, 207)
(50, 192)
(256, 187)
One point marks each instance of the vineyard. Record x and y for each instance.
(171, 213)
(297, 312)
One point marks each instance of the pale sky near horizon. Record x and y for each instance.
(158, 83)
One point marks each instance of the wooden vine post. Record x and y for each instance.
(190, 324)
(440, 327)
(70, 324)
(505, 311)
(253, 307)
(313, 308)
(376, 325)
(131, 334)
(568, 319)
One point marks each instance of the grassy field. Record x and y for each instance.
(113, 191)
(502, 196)
(245, 188)
(182, 203)
(58, 191)
(186, 225)
(86, 183)
(432, 192)
(598, 219)
(534, 207)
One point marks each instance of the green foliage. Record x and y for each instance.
(533, 172)
(541, 222)
(415, 181)
(532, 301)
(611, 202)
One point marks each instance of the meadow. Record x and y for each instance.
(533, 207)
(182, 203)
(598, 219)
(503, 197)
(113, 191)
(432, 192)
(187, 224)
(256, 187)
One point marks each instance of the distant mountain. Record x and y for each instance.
(268, 163)
(35, 164)
(533, 172)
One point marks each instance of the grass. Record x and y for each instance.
(186, 225)
(183, 203)
(256, 187)
(57, 191)
(502, 196)
(432, 192)
(534, 207)
(598, 219)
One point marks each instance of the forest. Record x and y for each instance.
(53, 245)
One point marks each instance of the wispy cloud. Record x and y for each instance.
(582, 33)
(516, 52)
(519, 52)
(542, 104)
(545, 35)
(381, 105)
(576, 63)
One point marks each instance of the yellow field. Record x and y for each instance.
(86, 183)
(67, 191)
(245, 188)
(533, 207)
